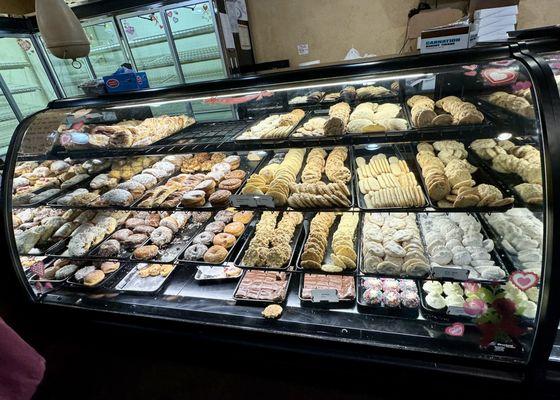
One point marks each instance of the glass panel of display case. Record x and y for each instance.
(197, 42)
(106, 53)
(24, 75)
(68, 75)
(408, 207)
(149, 46)
(8, 124)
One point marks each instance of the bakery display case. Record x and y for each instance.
(402, 206)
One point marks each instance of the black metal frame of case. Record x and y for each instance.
(547, 100)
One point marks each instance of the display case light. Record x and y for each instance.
(277, 90)
(504, 136)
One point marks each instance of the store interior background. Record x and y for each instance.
(374, 27)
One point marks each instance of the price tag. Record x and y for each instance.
(458, 311)
(252, 201)
(324, 295)
(459, 274)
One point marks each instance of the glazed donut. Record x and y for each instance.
(145, 252)
(216, 176)
(153, 220)
(136, 239)
(222, 167)
(122, 234)
(207, 185)
(234, 161)
(132, 223)
(226, 216)
(243, 216)
(109, 248)
(94, 277)
(161, 236)
(143, 229)
(230, 184)
(194, 198)
(237, 174)
(215, 254)
(220, 198)
(201, 216)
(224, 239)
(235, 228)
(195, 252)
(215, 227)
(205, 238)
(171, 223)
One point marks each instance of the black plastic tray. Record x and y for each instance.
(108, 278)
(341, 303)
(312, 141)
(262, 303)
(494, 256)
(388, 150)
(250, 232)
(265, 141)
(480, 176)
(206, 281)
(235, 249)
(442, 315)
(306, 230)
(513, 121)
(365, 274)
(403, 312)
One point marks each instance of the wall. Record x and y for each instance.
(331, 27)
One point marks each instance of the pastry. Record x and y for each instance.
(145, 252)
(204, 237)
(109, 248)
(273, 126)
(226, 216)
(263, 285)
(109, 266)
(241, 216)
(223, 239)
(194, 198)
(83, 272)
(272, 311)
(339, 115)
(234, 228)
(195, 252)
(215, 254)
(220, 198)
(116, 197)
(161, 236)
(65, 271)
(94, 277)
(136, 239)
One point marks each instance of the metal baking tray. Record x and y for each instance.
(350, 185)
(295, 243)
(199, 276)
(498, 262)
(327, 259)
(389, 151)
(480, 176)
(364, 273)
(260, 302)
(403, 312)
(327, 298)
(235, 249)
(133, 283)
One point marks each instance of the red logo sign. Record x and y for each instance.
(113, 83)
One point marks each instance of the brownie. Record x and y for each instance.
(263, 285)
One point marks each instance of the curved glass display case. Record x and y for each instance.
(402, 204)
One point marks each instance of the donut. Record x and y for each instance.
(243, 216)
(208, 186)
(152, 220)
(109, 248)
(215, 254)
(216, 176)
(136, 189)
(234, 161)
(149, 181)
(205, 237)
(237, 174)
(117, 197)
(230, 184)
(109, 266)
(222, 167)
(136, 239)
(195, 252)
(94, 277)
(226, 216)
(132, 223)
(122, 234)
(224, 239)
(145, 252)
(215, 227)
(235, 228)
(194, 198)
(143, 229)
(161, 236)
(220, 198)
(201, 216)
(171, 223)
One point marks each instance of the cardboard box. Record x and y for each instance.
(444, 39)
(483, 4)
(488, 30)
(126, 82)
(497, 12)
(506, 20)
(426, 20)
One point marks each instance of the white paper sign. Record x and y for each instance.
(460, 274)
(226, 29)
(233, 15)
(303, 49)
(244, 37)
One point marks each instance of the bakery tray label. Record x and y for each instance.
(324, 295)
(453, 273)
(252, 201)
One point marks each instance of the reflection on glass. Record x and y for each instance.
(196, 41)
(23, 72)
(68, 76)
(150, 49)
(106, 51)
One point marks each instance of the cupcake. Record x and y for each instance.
(390, 285)
(450, 288)
(435, 301)
(372, 283)
(433, 287)
(373, 296)
(410, 299)
(407, 284)
(391, 299)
